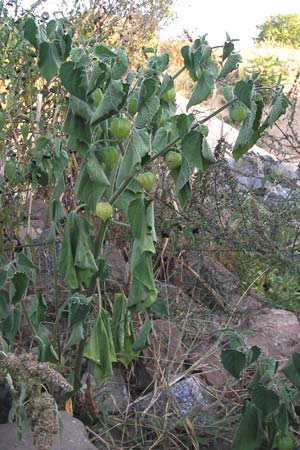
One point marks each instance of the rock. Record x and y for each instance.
(119, 273)
(5, 401)
(165, 353)
(185, 397)
(74, 436)
(211, 367)
(277, 332)
(216, 285)
(112, 395)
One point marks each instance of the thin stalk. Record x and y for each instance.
(56, 302)
(77, 368)
(177, 74)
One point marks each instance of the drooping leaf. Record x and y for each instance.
(266, 400)
(3, 276)
(142, 338)
(147, 112)
(231, 63)
(147, 89)
(77, 335)
(278, 108)
(91, 181)
(161, 139)
(104, 52)
(227, 50)
(24, 264)
(192, 149)
(112, 101)
(234, 362)
(292, 370)
(4, 304)
(74, 79)
(79, 308)
(181, 177)
(77, 127)
(120, 65)
(18, 286)
(99, 348)
(67, 252)
(137, 217)
(253, 354)
(38, 309)
(243, 91)
(81, 109)
(49, 60)
(12, 323)
(248, 435)
(31, 32)
(208, 156)
(137, 147)
(249, 132)
(202, 90)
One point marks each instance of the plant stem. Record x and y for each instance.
(179, 72)
(77, 368)
(56, 326)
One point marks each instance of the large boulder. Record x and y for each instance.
(199, 274)
(276, 332)
(74, 436)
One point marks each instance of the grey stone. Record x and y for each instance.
(74, 436)
(217, 286)
(187, 397)
(276, 332)
(112, 395)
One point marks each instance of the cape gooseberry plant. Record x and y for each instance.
(272, 395)
(118, 122)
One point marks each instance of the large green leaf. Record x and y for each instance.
(248, 435)
(112, 101)
(292, 370)
(137, 147)
(31, 32)
(249, 132)
(182, 175)
(137, 217)
(38, 309)
(142, 338)
(266, 400)
(243, 91)
(100, 347)
(49, 60)
(76, 260)
(231, 64)
(18, 286)
(77, 127)
(81, 109)
(120, 65)
(202, 90)
(79, 308)
(4, 304)
(67, 252)
(278, 108)
(91, 181)
(192, 149)
(234, 362)
(147, 112)
(74, 79)
(12, 323)
(146, 91)
(161, 139)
